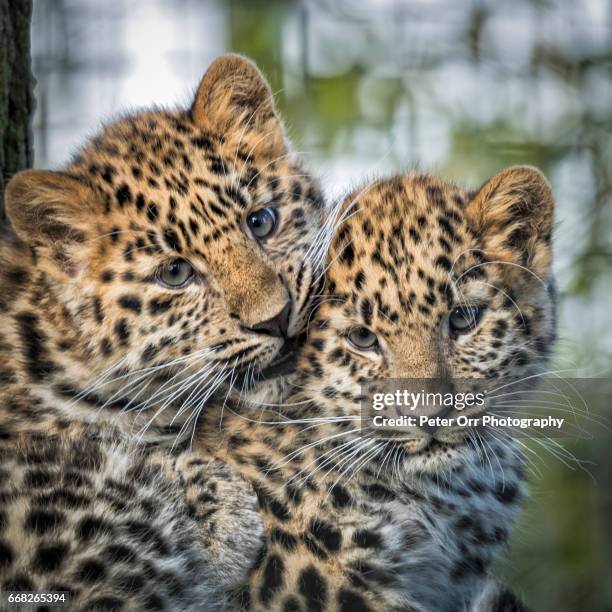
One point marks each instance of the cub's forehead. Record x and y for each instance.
(152, 160)
(149, 150)
(400, 237)
(406, 216)
(415, 196)
(162, 142)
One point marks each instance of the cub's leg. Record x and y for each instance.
(225, 508)
(118, 527)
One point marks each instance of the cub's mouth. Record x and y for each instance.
(284, 363)
(286, 360)
(417, 452)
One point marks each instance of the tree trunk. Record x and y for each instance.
(16, 98)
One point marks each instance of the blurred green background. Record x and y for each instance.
(457, 87)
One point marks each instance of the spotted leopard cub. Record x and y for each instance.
(425, 280)
(167, 264)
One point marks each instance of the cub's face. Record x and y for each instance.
(427, 281)
(178, 245)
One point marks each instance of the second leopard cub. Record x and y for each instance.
(424, 280)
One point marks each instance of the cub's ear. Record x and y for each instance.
(513, 215)
(234, 96)
(48, 208)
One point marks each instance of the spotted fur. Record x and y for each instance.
(357, 524)
(96, 349)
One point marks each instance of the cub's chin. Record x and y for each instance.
(435, 457)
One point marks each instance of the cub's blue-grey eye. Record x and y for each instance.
(262, 222)
(465, 318)
(362, 338)
(175, 273)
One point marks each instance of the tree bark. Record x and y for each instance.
(16, 97)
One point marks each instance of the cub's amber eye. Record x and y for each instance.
(362, 338)
(262, 222)
(175, 273)
(465, 318)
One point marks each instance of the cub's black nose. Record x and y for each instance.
(277, 325)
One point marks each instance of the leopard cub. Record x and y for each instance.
(168, 263)
(424, 280)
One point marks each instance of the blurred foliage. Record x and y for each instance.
(255, 31)
(560, 553)
(495, 145)
(461, 87)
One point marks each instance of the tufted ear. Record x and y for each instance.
(513, 215)
(234, 96)
(48, 209)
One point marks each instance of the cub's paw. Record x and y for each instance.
(225, 507)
